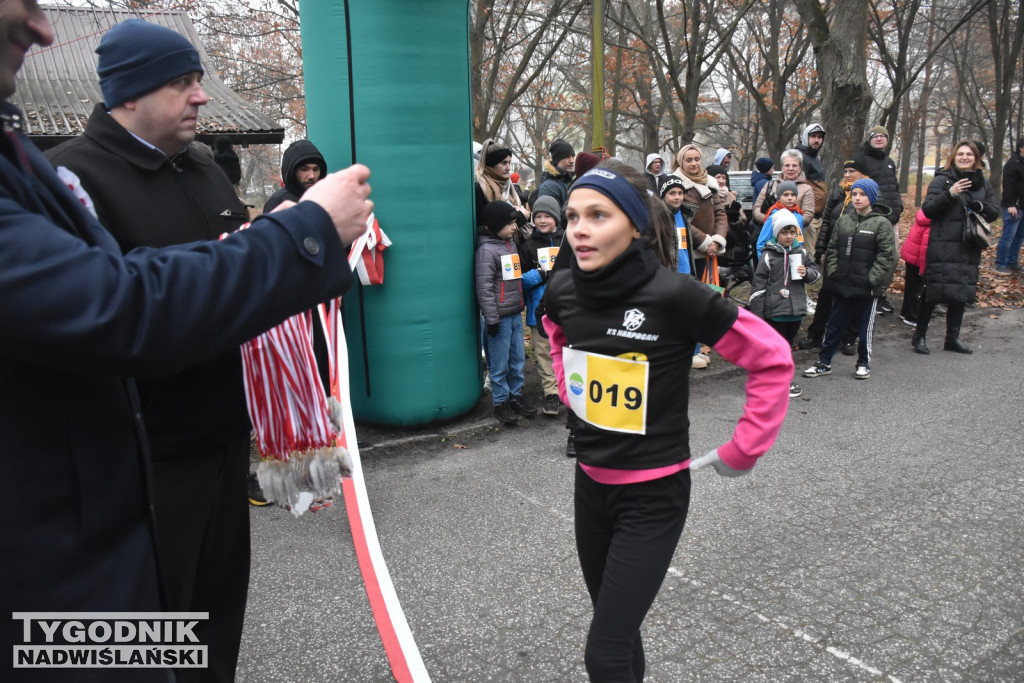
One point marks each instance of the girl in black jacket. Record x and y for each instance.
(622, 327)
(951, 273)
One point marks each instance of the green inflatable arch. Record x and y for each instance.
(387, 85)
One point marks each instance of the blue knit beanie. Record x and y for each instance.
(868, 187)
(137, 57)
(764, 164)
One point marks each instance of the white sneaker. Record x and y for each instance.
(706, 357)
(698, 363)
(862, 372)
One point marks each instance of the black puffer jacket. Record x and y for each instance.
(951, 273)
(837, 204)
(882, 170)
(298, 153)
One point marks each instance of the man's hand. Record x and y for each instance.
(713, 460)
(345, 196)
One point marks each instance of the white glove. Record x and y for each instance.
(711, 458)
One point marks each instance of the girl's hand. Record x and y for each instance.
(802, 270)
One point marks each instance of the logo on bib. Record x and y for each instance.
(633, 320)
(576, 383)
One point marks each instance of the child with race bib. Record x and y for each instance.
(622, 329)
(499, 292)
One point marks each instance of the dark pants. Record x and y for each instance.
(911, 290)
(626, 536)
(788, 329)
(816, 330)
(954, 318)
(860, 310)
(202, 525)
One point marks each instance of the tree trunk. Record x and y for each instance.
(841, 58)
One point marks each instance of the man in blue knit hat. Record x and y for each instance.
(152, 189)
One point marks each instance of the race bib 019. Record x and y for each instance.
(511, 269)
(607, 392)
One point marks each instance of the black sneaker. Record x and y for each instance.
(809, 343)
(883, 305)
(522, 407)
(795, 390)
(848, 348)
(818, 369)
(551, 403)
(570, 446)
(256, 493)
(506, 414)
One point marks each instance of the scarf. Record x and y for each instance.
(496, 188)
(618, 280)
(699, 178)
(846, 188)
(779, 205)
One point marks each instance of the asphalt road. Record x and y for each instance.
(881, 539)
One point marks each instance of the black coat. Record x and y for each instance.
(882, 170)
(147, 200)
(951, 271)
(298, 153)
(79, 321)
(1013, 182)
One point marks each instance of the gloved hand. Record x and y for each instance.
(711, 458)
(977, 205)
(543, 274)
(492, 329)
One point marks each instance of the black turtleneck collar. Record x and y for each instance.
(977, 177)
(617, 280)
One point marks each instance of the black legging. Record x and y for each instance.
(626, 536)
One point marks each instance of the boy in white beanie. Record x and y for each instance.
(778, 289)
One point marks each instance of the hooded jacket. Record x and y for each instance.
(773, 276)
(654, 179)
(298, 153)
(812, 165)
(915, 248)
(952, 270)
(882, 170)
(555, 183)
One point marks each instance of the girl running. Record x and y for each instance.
(622, 328)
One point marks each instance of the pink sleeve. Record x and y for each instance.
(556, 338)
(754, 346)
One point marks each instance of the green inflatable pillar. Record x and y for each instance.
(387, 85)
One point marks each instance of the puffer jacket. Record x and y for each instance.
(709, 223)
(915, 248)
(882, 170)
(952, 268)
(555, 183)
(861, 255)
(497, 297)
(772, 276)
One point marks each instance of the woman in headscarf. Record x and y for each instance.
(709, 225)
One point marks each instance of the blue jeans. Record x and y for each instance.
(506, 355)
(1008, 249)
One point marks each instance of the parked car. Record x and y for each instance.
(739, 181)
